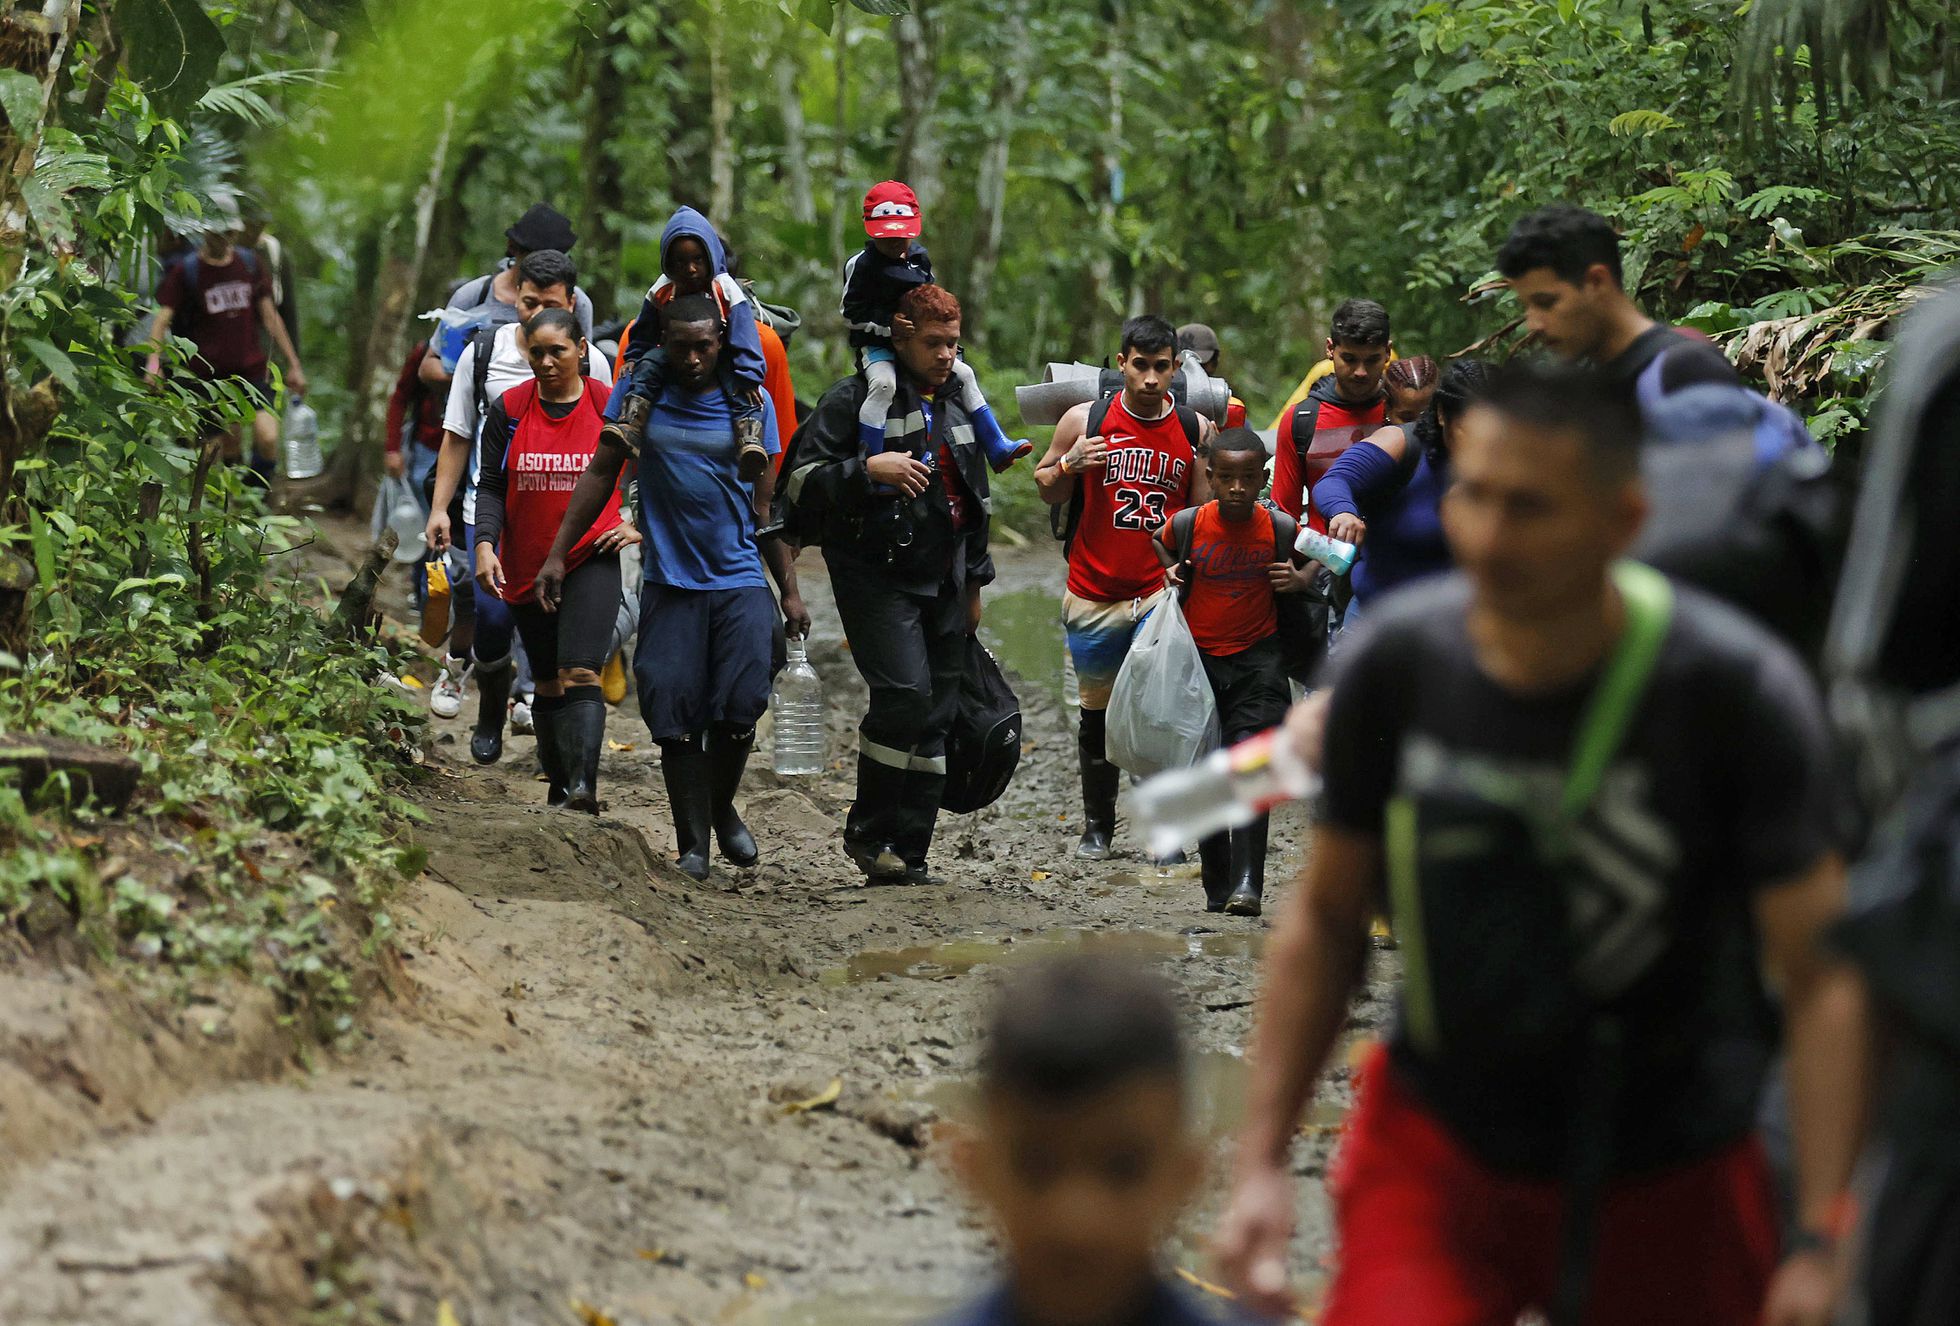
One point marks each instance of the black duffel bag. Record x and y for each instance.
(984, 747)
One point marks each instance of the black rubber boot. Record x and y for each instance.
(1215, 869)
(492, 707)
(1099, 783)
(874, 819)
(625, 431)
(919, 816)
(1248, 869)
(581, 736)
(685, 765)
(728, 756)
(546, 712)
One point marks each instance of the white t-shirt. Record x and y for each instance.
(508, 368)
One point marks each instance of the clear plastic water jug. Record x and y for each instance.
(797, 707)
(1224, 790)
(300, 431)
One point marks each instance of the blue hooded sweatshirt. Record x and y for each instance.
(743, 340)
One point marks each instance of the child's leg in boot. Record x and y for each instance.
(627, 412)
(1002, 451)
(745, 408)
(881, 387)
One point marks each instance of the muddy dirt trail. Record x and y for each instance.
(578, 1097)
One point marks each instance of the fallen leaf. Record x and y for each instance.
(660, 1255)
(753, 1280)
(590, 1315)
(618, 745)
(1037, 875)
(446, 1315)
(822, 1100)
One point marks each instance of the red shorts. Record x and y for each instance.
(1430, 1236)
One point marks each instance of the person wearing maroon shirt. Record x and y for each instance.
(220, 298)
(1124, 465)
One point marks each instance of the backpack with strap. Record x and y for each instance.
(1299, 627)
(983, 747)
(1744, 503)
(193, 269)
(1063, 520)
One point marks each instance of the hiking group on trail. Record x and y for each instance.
(1597, 806)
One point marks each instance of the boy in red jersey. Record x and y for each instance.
(1229, 558)
(1124, 466)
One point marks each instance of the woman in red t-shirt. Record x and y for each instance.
(537, 439)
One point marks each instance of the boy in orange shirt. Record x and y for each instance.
(1228, 559)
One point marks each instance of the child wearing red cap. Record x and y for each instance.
(893, 262)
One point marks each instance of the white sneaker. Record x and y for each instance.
(520, 717)
(446, 696)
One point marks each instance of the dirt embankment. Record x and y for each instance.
(580, 1098)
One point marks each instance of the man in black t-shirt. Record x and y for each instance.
(1582, 1023)
(1563, 264)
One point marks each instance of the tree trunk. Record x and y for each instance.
(446, 259)
(687, 137)
(603, 199)
(721, 122)
(1009, 90)
(915, 37)
(843, 203)
(1107, 188)
(35, 45)
(789, 100)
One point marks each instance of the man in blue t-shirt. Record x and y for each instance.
(707, 619)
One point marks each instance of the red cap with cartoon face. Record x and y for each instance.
(891, 210)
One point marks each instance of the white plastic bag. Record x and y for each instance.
(396, 505)
(1161, 712)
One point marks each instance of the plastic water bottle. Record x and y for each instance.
(1226, 789)
(301, 431)
(1329, 552)
(797, 704)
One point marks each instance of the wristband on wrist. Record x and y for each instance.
(1062, 464)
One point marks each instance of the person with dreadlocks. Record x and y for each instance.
(1385, 494)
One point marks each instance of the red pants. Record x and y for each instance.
(1430, 1236)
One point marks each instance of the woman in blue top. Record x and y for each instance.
(1384, 494)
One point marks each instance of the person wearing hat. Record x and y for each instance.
(892, 264)
(1202, 341)
(541, 227)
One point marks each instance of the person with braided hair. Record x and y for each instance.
(1385, 494)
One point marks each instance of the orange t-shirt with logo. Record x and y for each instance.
(1230, 606)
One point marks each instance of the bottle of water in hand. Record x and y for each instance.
(797, 704)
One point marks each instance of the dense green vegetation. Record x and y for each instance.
(1782, 168)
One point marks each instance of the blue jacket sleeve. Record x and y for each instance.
(1357, 478)
(646, 333)
(745, 344)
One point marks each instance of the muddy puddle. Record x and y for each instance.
(957, 957)
(1024, 629)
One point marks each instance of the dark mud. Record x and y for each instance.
(584, 1094)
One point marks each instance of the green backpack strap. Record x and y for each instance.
(1649, 600)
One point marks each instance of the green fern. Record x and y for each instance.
(1641, 123)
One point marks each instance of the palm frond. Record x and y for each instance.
(1842, 47)
(246, 99)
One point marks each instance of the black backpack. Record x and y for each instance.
(1063, 520)
(984, 747)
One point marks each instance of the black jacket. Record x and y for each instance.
(873, 285)
(829, 498)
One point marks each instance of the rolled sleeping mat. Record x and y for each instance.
(1065, 386)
